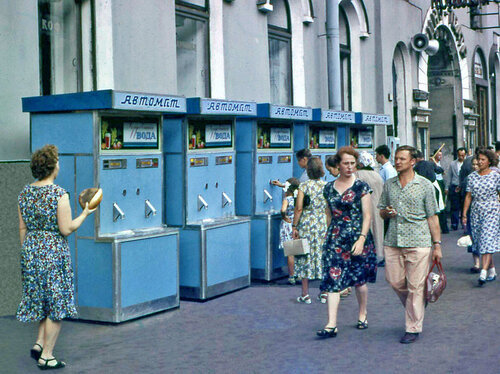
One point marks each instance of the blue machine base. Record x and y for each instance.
(214, 258)
(127, 277)
(268, 261)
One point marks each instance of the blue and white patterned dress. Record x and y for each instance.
(485, 212)
(47, 274)
(286, 227)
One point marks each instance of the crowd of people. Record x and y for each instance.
(397, 214)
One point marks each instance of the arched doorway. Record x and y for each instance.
(445, 95)
(480, 75)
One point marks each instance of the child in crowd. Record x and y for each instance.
(291, 188)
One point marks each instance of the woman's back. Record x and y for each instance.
(38, 205)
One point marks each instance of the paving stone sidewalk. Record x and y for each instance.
(262, 329)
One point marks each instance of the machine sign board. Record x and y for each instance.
(280, 137)
(218, 135)
(140, 135)
(327, 138)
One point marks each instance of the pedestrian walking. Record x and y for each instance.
(309, 222)
(287, 208)
(47, 276)
(349, 256)
(452, 183)
(436, 158)
(366, 174)
(409, 202)
(476, 255)
(382, 155)
(482, 194)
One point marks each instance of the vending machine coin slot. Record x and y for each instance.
(198, 161)
(284, 159)
(146, 163)
(265, 159)
(223, 160)
(114, 164)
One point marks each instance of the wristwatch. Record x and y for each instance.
(437, 242)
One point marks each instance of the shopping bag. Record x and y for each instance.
(435, 283)
(296, 247)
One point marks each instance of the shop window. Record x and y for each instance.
(191, 28)
(280, 54)
(345, 61)
(66, 46)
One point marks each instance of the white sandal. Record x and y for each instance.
(304, 299)
(323, 297)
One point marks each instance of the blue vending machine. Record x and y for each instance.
(265, 153)
(362, 134)
(125, 258)
(200, 193)
(327, 133)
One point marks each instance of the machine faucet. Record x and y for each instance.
(117, 212)
(267, 196)
(202, 204)
(226, 200)
(150, 209)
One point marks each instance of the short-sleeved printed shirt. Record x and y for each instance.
(414, 204)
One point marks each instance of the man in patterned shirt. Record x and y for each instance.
(409, 202)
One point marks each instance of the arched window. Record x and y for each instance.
(280, 53)
(345, 61)
(191, 30)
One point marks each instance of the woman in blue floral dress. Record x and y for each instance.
(47, 275)
(483, 189)
(349, 256)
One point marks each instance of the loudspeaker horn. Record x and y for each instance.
(421, 43)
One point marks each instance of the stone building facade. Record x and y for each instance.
(257, 50)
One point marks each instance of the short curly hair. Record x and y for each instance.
(346, 150)
(491, 155)
(44, 161)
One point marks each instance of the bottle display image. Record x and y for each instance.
(111, 135)
(361, 138)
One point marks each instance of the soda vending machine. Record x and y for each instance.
(362, 134)
(265, 153)
(327, 133)
(125, 258)
(200, 194)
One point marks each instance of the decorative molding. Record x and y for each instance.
(264, 6)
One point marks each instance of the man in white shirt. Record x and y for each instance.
(453, 188)
(382, 156)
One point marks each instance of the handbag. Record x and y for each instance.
(435, 283)
(306, 201)
(296, 247)
(464, 241)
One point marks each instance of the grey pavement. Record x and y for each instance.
(262, 329)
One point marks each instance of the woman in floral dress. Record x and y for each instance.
(349, 256)
(309, 222)
(483, 189)
(47, 276)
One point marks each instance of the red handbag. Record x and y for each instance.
(435, 283)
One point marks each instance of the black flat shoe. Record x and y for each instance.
(46, 366)
(36, 354)
(362, 325)
(475, 270)
(327, 332)
(481, 282)
(409, 337)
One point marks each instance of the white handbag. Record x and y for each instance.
(464, 241)
(296, 247)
